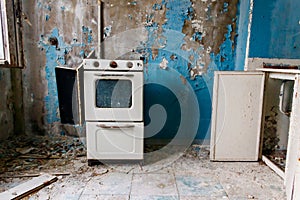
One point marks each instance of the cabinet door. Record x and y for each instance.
(292, 179)
(236, 116)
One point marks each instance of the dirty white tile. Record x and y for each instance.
(113, 183)
(199, 186)
(162, 158)
(67, 196)
(245, 198)
(203, 198)
(193, 165)
(252, 185)
(146, 169)
(201, 173)
(103, 197)
(122, 167)
(250, 180)
(69, 189)
(154, 184)
(153, 197)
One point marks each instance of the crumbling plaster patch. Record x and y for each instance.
(205, 25)
(124, 15)
(208, 29)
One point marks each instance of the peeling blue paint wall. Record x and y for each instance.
(275, 29)
(170, 44)
(56, 33)
(186, 41)
(54, 56)
(225, 59)
(56, 51)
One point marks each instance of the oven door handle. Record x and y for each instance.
(114, 127)
(114, 75)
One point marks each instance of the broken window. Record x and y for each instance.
(11, 54)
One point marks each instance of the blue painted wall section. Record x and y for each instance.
(56, 51)
(261, 28)
(275, 29)
(63, 43)
(55, 55)
(166, 41)
(242, 31)
(225, 59)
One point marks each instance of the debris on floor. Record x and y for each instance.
(29, 187)
(278, 157)
(39, 152)
(24, 158)
(173, 171)
(197, 151)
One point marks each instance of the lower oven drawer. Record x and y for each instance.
(115, 140)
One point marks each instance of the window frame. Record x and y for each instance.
(4, 34)
(11, 34)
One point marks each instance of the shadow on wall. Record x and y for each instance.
(162, 114)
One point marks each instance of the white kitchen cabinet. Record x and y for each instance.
(241, 101)
(236, 116)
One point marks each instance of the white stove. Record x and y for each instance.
(113, 103)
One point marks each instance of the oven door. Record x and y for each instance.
(113, 96)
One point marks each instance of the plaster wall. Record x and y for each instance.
(6, 105)
(182, 42)
(55, 33)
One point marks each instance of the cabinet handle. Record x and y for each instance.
(114, 75)
(114, 127)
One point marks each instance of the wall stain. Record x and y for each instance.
(209, 29)
(204, 26)
(6, 106)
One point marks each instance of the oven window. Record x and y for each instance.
(113, 93)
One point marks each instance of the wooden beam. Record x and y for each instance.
(28, 187)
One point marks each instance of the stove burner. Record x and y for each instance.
(113, 64)
(96, 64)
(129, 64)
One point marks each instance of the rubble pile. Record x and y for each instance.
(22, 153)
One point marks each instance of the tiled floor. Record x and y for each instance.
(186, 178)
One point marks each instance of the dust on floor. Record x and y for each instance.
(165, 174)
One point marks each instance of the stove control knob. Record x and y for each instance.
(113, 64)
(129, 64)
(96, 64)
